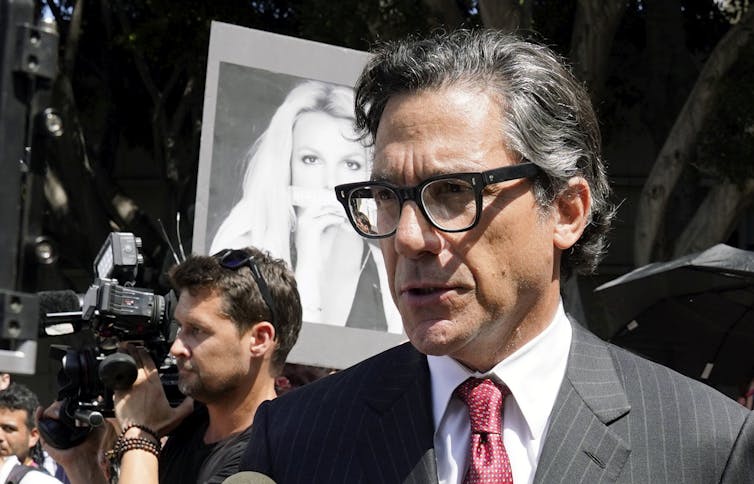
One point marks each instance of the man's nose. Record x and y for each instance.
(178, 348)
(414, 235)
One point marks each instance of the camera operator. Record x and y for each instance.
(239, 315)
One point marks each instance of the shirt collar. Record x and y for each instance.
(533, 374)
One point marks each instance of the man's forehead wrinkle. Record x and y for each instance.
(395, 160)
(410, 162)
(384, 170)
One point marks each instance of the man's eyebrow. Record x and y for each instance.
(378, 178)
(381, 177)
(195, 322)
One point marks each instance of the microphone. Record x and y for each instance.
(58, 302)
(56, 307)
(248, 477)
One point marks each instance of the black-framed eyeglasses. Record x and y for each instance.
(451, 203)
(234, 259)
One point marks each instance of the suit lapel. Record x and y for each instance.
(398, 443)
(583, 442)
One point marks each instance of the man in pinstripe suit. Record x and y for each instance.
(487, 190)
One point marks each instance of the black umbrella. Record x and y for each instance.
(694, 314)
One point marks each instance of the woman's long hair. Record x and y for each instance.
(264, 217)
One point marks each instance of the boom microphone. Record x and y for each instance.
(57, 307)
(248, 477)
(58, 302)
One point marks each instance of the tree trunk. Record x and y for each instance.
(681, 140)
(714, 220)
(593, 33)
(74, 35)
(505, 15)
(672, 70)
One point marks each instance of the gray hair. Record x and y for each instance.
(548, 116)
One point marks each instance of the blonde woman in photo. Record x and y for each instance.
(288, 206)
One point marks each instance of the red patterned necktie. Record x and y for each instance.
(489, 461)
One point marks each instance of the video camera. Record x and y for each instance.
(116, 312)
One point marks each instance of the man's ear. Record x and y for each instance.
(262, 339)
(33, 437)
(571, 213)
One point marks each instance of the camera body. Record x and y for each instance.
(124, 313)
(116, 312)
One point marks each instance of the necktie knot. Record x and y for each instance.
(484, 399)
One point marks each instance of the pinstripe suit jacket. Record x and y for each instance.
(618, 418)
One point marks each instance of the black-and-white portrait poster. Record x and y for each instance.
(277, 135)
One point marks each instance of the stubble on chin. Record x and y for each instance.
(214, 390)
(189, 382)
(187, 388)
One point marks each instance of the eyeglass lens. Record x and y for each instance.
(450, 203)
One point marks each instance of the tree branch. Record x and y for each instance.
(715, 218)
(74, 35)
(681, 140)
(55, 9)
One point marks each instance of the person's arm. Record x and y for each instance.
(308, 242)
(80, 463)
(328, 264)
(145, 402)
(139, 465)
(145, 413)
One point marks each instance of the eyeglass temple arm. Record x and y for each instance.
(512, 172)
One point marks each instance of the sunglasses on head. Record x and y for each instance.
(234, 259)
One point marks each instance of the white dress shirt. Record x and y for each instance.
(533, 374)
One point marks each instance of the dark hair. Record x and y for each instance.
(20, 397)
(242, 301)
(548, 116)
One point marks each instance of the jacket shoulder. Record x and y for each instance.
(636, 370)
(351, 382)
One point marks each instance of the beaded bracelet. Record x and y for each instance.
(123, 444)
(133, 443)
(143, 428)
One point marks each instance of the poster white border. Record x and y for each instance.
(318, 344)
